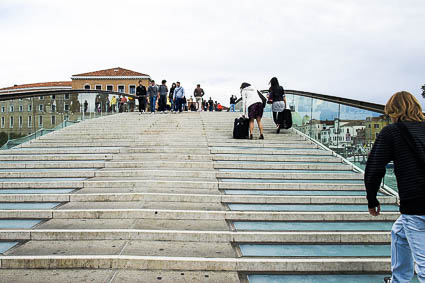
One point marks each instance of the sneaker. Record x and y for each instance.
(387, 280)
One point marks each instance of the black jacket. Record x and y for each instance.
(277, 94)
(141, 90)
(389, 146)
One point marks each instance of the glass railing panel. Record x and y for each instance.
(25, 119)
(324, 122)
(301, 108)
(358, 131)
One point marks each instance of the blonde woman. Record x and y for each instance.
(404, 143)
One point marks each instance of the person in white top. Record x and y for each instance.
(253, 105)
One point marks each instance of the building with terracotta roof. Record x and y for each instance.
(27, 115)
(115, 79)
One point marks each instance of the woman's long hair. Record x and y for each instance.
(403, 106)
(274, 83)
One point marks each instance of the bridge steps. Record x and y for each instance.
(177, 198)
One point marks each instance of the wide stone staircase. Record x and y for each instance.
(173, 198)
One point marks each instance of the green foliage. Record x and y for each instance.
(4, 137)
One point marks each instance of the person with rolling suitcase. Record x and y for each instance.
(278, 100)
(253, 107)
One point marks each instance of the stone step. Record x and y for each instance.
(260, 151)
(257, 265)
(290, 176)
(194, 214)
(51, 165)
(276, 158)
(55, 157)
(157, 197)
(282, 166)
(163, 156)
(116, 276)
(196, 236)
(290, 186)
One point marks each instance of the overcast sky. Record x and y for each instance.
(361, 49)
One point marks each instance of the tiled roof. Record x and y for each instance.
(38, 85)
(114, 72)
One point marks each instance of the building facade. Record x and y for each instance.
(25, 116)
(115, 79)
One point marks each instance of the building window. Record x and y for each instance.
(29, 107)
(110, 88)
(2, 122)
(53, 107)
(41, 97)
(53, 120)
(41, 107)
(66, 117)
(29, 121)
(66, 107)
(66, 96)
(40, 121)
(20, 121)
(121, 88)
(53, 97)
(132, 89)
(98, 87)
(11, 108)
(368, 126)
(11, 122)
(87, 87)
(3, 109)
(21, 108)
(376, 126)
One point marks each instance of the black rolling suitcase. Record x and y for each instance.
(287, 119)
(241, 128)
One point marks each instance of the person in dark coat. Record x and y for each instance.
(402, 142)
(141, 94)
(277, 96)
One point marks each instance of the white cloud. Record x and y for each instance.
(355, 48)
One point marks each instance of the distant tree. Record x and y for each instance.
(3, 138)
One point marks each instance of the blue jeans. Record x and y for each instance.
(232, 107)
(407, 248)
(153, 103)
(179, 104)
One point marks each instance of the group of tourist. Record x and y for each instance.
(174, 99)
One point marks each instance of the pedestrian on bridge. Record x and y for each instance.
(402, 142)
(141, 94)
(114, 103)
(171, 95)
(179, 97)
(278, 99)
(162, 91)
(233, 99)
(153, 95)
(198, 93)
(252, 104)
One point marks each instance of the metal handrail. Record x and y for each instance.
(379, 108)
(340, 100)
